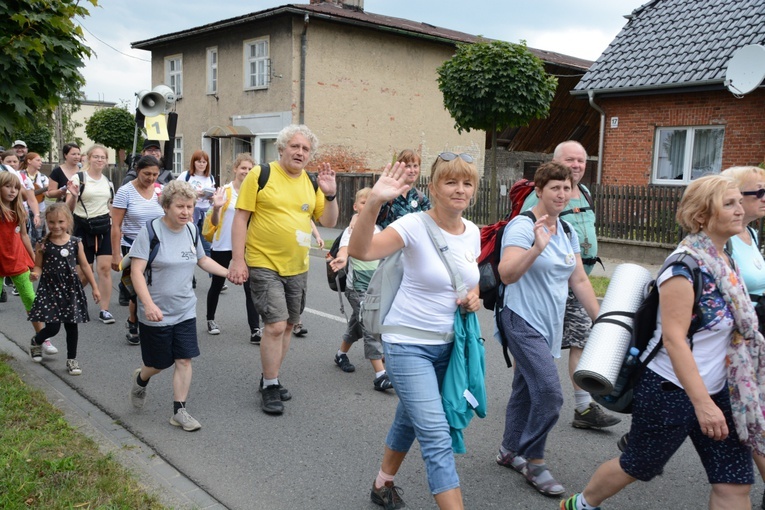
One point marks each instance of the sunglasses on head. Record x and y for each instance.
(759, 193)
(450, 156)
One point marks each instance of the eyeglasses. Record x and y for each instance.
(759, 193)
(98, 157)
(450, 156)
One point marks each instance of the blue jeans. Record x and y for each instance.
(417, 372)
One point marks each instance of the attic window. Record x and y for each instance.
(682, 154)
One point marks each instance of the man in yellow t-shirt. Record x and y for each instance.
(273, 248)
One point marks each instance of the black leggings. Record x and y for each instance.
(51, 329)
(224, 259)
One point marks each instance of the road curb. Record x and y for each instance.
(159, 477)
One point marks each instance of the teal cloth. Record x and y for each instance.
(466, 371)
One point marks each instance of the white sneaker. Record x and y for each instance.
(183, 419)
(73, 367)
(49, 348)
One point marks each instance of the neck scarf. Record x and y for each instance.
(745, 357)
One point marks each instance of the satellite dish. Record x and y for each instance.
(746, 69)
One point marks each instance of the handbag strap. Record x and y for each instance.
(443, 251)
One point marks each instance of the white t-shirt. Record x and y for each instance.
(710, 342)
(426, 299)
(223, 243)
(199, 182)
(41, 180)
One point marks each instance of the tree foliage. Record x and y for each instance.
(41, 51)
(38, 137)
(492, 86)
(495, 85)
(113, 127)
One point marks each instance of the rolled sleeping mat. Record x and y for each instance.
(610, 337)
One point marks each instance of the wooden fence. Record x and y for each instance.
(634, 214)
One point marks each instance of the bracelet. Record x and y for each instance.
(330, 198)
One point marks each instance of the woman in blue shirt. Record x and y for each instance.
(540, 261)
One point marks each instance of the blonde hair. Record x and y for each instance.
(176, 190)
(362, 193)
(86, 159)
(741, 174)
(14, 211)
(57, 208)
(702, 201)
(457, 168)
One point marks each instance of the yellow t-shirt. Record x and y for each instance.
(279, 233)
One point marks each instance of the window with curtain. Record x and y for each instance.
(682, 154)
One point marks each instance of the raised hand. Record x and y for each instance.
(219, 198)
(392, 182)
(542, 233)
(326, 179)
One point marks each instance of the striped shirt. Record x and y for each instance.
(138, 210)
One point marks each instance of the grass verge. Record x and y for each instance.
(45, 463)
(600, 284)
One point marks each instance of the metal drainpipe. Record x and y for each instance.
(303, 51)
(602, 134)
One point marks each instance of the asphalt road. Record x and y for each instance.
(325, 450)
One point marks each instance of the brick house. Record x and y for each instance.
(660, 87)
(365, 83)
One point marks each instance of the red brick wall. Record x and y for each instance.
(628, 149)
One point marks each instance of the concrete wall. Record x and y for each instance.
(628, 153)
(81, 116)
(370, 94)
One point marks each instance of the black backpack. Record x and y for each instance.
(643, 328)
(336, 280)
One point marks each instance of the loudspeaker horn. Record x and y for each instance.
(151, 103)
(167, 93)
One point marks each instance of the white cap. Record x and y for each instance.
(19, 142)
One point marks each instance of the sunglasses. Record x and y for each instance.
(759, 193)
(450, 156)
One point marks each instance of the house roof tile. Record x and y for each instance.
(676, 43)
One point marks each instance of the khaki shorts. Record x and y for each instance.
(278, 298)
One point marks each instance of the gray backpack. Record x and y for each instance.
(386, 281)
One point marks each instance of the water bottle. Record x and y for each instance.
(626, 371)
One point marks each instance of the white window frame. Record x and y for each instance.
(263, 62)
(212, 70)
(687, 156)
(257, 146)
(178, 155)
(174, 76)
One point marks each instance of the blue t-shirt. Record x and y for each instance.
(750, 264)
(539, 296)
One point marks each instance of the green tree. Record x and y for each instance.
(38, 137)
(493, 86)
(41, 51)
(113, 127)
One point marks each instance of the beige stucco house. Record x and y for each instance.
(363, 82)
(80, 116)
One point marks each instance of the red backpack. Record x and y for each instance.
(491, 238)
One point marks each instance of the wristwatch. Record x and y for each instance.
(330, 198)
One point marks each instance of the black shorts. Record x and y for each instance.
(162, 345)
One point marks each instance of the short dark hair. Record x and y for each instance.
(68, 147)
(552, 171)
